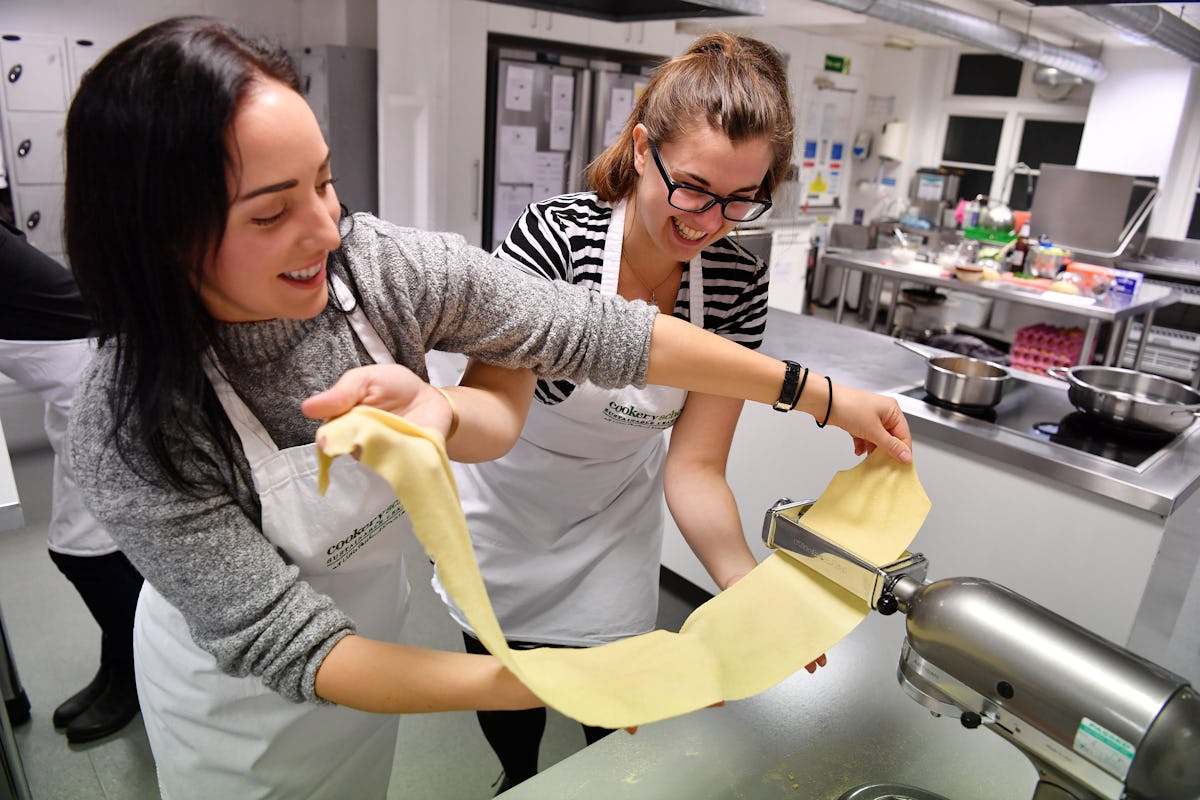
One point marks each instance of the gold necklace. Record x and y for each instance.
(624, 240)
(638, 278)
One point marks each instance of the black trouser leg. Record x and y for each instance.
(515, 736)
(109, 586)
(593, 734)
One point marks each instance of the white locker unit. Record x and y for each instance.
(40, 76)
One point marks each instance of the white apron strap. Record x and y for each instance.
(612, 250)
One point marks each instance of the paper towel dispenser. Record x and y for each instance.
(638, 10)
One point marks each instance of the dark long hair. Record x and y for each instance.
(146, 205)
(734, 84)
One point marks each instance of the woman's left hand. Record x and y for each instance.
(873, 420)
(389, 387)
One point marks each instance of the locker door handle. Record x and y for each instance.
(33, 219)
(14, 74)
(23, 148)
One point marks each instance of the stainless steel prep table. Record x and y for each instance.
(1118, 311)
(815, 736)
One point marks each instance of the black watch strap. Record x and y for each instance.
(787, 394)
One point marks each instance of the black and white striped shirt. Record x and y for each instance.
(563, 239)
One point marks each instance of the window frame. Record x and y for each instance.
(1014, 111)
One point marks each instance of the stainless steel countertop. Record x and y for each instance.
(871, 361)
(1116, 308)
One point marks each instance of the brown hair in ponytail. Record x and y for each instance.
(734, 84)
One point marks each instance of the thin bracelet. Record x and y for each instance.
(453, 413)
(829, 407)
(799, 391)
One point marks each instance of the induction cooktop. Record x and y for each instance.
(1043, 412)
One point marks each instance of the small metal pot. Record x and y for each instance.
(1129, 398)
(961, 380)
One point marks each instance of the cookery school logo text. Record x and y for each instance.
(630, 415)
(341, 552)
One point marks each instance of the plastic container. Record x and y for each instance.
(970, 309)
(989, 236)
(1098, 280)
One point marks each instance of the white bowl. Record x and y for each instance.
(903, 255)
(971, 273)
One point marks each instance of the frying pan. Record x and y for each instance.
(961, 380)
(1131, 398)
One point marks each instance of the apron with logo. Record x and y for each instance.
(567, 527)
(217, 735)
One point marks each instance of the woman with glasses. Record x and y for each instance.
(567, 527)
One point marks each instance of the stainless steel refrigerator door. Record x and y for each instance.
(616, 91)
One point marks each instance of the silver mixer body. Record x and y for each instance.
(1097, 721)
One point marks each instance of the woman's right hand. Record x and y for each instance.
(871, 420)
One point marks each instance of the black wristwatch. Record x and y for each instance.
(787, 395)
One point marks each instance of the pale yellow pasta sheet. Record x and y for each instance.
(767, 626)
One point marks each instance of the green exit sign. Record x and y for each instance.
(837, 64)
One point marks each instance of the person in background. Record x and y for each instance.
(203, 227)
(707, 142)
(44, 345)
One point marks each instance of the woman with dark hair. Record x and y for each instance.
(203, 225)
(708, 140)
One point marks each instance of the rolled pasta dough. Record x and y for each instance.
(736, 645)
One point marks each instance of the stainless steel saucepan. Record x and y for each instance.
(961, 380)
(1129, 398)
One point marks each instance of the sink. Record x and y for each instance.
(889, 791)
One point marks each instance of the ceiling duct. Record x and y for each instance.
(639, 10)
(985, 34)
(1151, 23)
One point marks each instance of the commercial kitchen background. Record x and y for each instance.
(1142, 119)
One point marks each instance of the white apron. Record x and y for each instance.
(567, 527)
(219, 736)
(51, 369)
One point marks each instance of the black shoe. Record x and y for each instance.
(111, 711)
(17, 709)
(78, 703)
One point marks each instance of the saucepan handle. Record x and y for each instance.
(1057, 372)
(907, 346)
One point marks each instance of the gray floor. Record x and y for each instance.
(56, 646)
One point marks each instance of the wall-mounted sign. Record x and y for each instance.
(837, 64)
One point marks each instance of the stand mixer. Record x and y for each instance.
(1096, 721)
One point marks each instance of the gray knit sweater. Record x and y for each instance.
(421, 291)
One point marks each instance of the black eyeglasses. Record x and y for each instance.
(686, 197)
